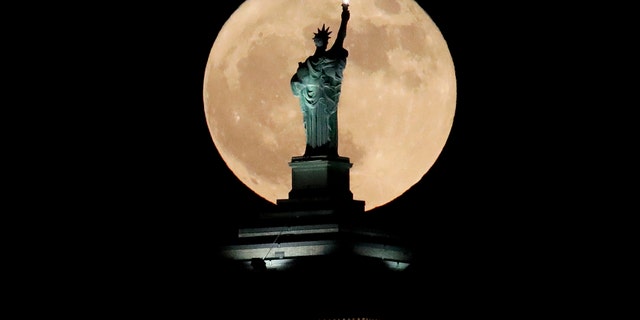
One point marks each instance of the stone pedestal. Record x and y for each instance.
(320, 185)
(320, 178)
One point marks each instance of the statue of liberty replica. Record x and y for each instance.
(317, 84)
(321, 174)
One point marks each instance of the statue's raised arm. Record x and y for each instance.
(342, 32)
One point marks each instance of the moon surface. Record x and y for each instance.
(396, 108)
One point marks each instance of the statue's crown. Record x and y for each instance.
(322, 33)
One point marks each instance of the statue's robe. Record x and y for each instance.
(317, 83)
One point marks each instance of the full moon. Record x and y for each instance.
(396, 107)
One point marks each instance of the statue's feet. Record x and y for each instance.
(322, 151)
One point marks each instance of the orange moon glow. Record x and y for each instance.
(396, 108)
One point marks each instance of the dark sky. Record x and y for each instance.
(150, 195)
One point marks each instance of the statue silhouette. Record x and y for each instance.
(317, 83)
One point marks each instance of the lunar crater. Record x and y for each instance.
(391, 7)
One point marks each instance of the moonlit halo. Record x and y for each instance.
(395, 112)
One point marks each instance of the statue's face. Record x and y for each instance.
(319, 42)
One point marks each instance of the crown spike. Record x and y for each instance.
(323, 33)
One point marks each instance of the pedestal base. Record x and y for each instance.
(320, 178)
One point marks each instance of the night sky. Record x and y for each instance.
(156, 197)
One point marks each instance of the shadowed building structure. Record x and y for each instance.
(321, 244)
(320, 219)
